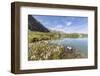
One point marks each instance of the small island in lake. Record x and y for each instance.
(49, 41)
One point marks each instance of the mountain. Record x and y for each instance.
(35, 25)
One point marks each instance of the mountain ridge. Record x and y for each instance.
(35, 25)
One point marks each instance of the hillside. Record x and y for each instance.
(35, 25)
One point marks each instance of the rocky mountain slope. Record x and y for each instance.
(35, 25)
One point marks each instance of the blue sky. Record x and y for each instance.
(68, 24)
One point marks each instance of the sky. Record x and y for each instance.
(67, 24)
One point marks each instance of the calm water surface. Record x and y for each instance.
(79, 43)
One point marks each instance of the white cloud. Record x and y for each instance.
(58, 28)
(68, 23)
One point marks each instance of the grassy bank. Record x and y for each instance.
(39, 47)
(42, 50)
(38, 36)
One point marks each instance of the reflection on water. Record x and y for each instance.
(78, 43)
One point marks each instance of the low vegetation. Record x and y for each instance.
(42, 50)
(39, 36)
(39, 47)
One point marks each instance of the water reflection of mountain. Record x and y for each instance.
(35, 25)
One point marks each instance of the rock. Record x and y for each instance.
(70, 53)
(69, 47)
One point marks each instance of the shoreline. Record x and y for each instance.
(42, 50)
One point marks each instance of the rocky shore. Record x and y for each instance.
(42, 50)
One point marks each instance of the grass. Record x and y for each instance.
(38, 36)
(42, 51)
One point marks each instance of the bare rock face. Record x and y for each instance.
(35, 25)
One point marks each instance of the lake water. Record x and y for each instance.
(79, 43)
